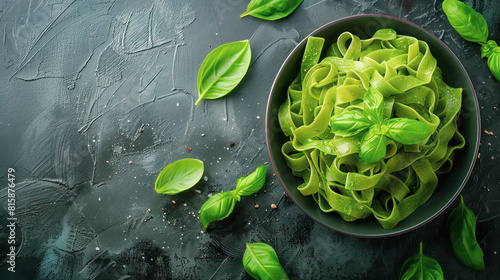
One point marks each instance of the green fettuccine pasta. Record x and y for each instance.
(345, 115)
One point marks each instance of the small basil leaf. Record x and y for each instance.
(271, 9)
(421, 267)
(462, 228)
(373, 106)
(217, 207)
(252, 183)
(261, 262)
(407, 131)
(179, 176)
(373, 145)
(349, 123)
(488, 48)
(223, 69)
(470, 24)
(494, 63)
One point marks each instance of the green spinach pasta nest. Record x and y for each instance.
(370, 125)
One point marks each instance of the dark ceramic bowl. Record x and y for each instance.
(449, 185)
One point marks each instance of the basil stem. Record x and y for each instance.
(421, 267)
(179, 176)
(271, 9)
(252, 183)
(462, 227)
(223, 69)
(261, 262)
(218, 207)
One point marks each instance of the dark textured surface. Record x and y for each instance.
(98, 96)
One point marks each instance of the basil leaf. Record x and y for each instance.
(261, 262)
(271, 9)
(373, 145)
(218, 207)
(407, 131)
(251, 183)
(470, 24)
(462, 228)
(373, 106)
(421, 267)
(179, 176)
(223, 69)
(494, 63)
(349, 123)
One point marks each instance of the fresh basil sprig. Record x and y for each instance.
(472, 26)
(421, 267)
(261, 262)
(374, 142)
(179, 176)
(221, 205)
(462, 228)
(223, 69)
(271, 9)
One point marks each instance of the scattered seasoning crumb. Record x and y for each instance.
(266, 163)
(130, 162)
(149, 209)
(141, 130)
(266, 210)
(189, 148)
(203, 135)
(107, 161)
(173, 201)
(495, 252)
(274, 206)
(277, 220)
(479, 155)
(257, 206)
(198, 191)
(265, 191)
(231, 144)
(488, 132)
(264, 142)
(492, 157)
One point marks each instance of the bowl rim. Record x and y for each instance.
(476, 148)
